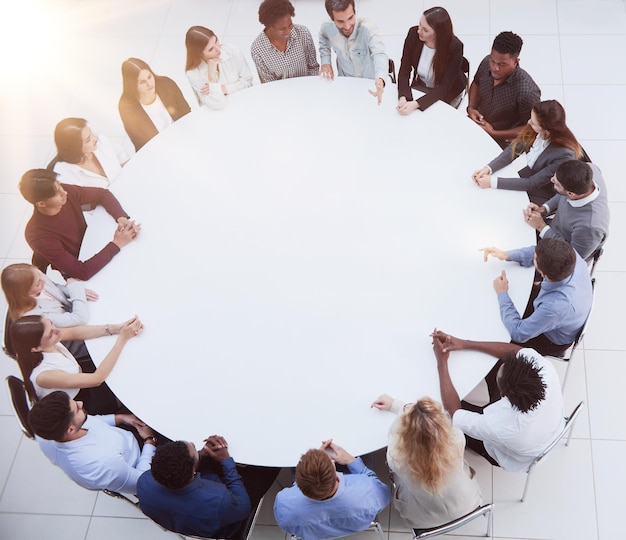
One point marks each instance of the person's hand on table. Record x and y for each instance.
(475, 115)
(405, 107)
(494, 252)
(128, 329)
(535, 220)
(485, 171)
(383, 403)
(483, 181)
(448, 342)
(380, 88)
(125, 233)
(337, 453)
(131, 420)
(326, 72)
(487, 127)
(92, 296)
(213, 65)
(215, 447)
(442, 353)
(205, 89)
(501, 284)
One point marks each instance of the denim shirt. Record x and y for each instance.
(360, 55)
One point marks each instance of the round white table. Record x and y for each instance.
(297, 249)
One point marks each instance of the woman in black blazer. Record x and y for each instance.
(547, 142)
(440, 74)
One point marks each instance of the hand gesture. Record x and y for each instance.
(475, 115)
(337, 453)
(92, 296)
(483, 181)
(494, 252)
(125, 233)
(501, 284)
(405, 107)
(449, 343)
(439, 348)
(479, 173)
(380, 87)
(326, 72)
(130, 328)
(383, 403)
(216, 447)
(536, 221)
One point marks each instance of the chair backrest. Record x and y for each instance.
(567, 430)
(485, 509)
(583, 330)
(392, 71)
(20, 403)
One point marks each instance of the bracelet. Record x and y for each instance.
(151, 439)
(107, 332)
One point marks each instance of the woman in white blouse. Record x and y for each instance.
(547, 142)
(84, 158)
(214, 70)
(434, 484)
(46, 365)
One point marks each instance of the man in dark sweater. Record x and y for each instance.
(56, 229)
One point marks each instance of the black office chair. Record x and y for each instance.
(465, 66)
(392, 71)
(595, 257)
(8, 347)
(20, 403)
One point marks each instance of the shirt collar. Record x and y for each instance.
(585, 200)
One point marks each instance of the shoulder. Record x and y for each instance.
(522, 79)
(365, 25)
(301, 30)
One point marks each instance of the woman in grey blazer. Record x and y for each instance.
(547, 142)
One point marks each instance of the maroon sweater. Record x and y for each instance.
(57, 239)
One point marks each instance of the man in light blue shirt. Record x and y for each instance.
(324, 503)
(563, 303)
(359, 48)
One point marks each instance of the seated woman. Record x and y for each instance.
(434, 483)
(434, 55)
(213, 69)
(283, 50)
(84, 158)
(149, 103)
(46, 365)
(31, 292)
(547, 142)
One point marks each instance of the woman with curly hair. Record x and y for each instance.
(283, 50)
(434, 484)
(547, 142)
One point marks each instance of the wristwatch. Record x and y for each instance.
(151, 439)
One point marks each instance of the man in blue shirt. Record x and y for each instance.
(324, 503)
(563, 303)
(214, 503)
(359, 48)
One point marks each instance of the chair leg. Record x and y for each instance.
(490, 521)
(526, 485)
(376, 525)
(566, 374)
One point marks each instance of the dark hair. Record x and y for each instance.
(130, 75)
(551, 117)
(38, 185)
(196, 40)
(69, 141)
(439, 19)
(575, 176)
(272, 10)
(26, 333)
(51, 416)
(172, 466)
(338, 5)
(316, 475)
(521, 382)
(508, 43)
(555, 258)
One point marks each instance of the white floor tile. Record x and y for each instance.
(11, 436)
(614, 256)
(607, 69)
(540, 58)
(537, 17)
(36, 527)
(607, 155)
(605, 371)
(600, 102)
(585, 17)
(14, 207)
(605, 330)
(101, 528)
(107, 506)
(610, 476)
(266, 532)
(560, 504)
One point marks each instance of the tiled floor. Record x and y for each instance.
(62, 58)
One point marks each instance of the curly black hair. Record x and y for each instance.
(272, 10)
(521, 382)
(508, 43)
(172, 466)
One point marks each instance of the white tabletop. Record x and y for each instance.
(297, 249)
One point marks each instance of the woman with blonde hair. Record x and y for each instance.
(434, 484)
(547, 142)
(214, 69)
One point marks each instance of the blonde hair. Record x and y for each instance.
(426, 445)
(17, 280)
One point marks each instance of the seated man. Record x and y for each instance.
(563, 303)
(580, 207)
(525, 413)
(502, 94)
(359, 48)
(91, 450)
(56, 229)
(212, 503)
(324, 503)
